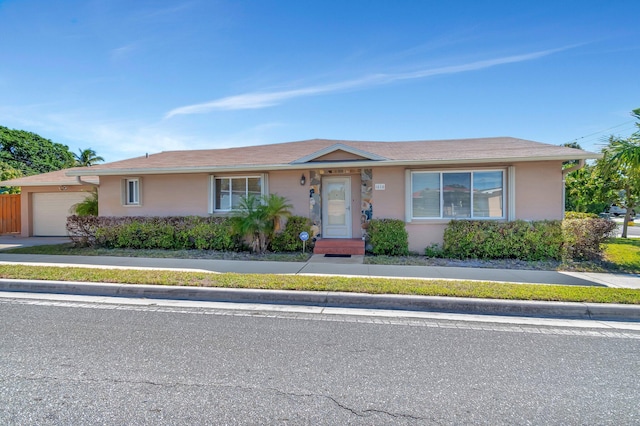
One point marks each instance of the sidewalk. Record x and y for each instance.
(336, 266)
(319, 265)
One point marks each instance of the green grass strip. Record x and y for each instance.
(624, 253)
(490, 290)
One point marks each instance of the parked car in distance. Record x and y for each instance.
(619, 211)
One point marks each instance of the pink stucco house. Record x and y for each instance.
(339, 185)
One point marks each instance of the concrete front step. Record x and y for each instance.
(353, 246)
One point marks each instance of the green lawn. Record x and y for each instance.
(472, 289)
(624, 253)
(620, 255)
(69, 250)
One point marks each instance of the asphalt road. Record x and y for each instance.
(632, 231)
(85, 363)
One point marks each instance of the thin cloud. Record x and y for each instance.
(123, 51)
(258, 100)
(169, 11)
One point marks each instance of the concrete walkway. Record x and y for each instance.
(317, 265)
(320, 265)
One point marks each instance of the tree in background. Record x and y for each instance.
(32, 154)
(7, 172)
(87, 157)
(583, 187)
(620, 168)
(571, 163)
(584, 191)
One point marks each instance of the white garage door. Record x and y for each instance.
(50, 211)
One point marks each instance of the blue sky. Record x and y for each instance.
(130, 77)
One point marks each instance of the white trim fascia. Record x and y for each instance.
(511, 193)
(49, 183)
(338, 147)
(212, 189)
(408, 195)
(328, 165)
(265, 184)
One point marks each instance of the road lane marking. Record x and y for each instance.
(319, 313)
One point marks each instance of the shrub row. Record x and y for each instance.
(173, 233)
(519, 239)
(579, 215)
(571, 239)
(388, 237)
(289, 238)
(583, 238)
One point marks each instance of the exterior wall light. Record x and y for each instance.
(303, 180)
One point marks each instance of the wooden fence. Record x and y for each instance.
(9, 213)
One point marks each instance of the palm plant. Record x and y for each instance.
(87, 157)
(622, 163)
(258, 218)
(277, 209)
(88, 207)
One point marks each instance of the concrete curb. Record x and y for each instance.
(562, 310)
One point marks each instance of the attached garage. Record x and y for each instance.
(50, 211)
(46, 200)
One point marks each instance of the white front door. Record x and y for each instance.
(336, 207)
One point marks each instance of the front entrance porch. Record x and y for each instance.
(352, 246)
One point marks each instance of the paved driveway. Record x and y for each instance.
(13, 241)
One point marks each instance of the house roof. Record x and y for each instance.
(57, 178)
(303, 154)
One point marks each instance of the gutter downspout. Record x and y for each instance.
(82, 182)
(568, 170)
(565, 172)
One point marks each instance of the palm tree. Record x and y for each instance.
(88, 207)
(277, 208)
(258, 218)
(622, 160)
(87, 157)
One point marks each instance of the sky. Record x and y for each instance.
(127, 78)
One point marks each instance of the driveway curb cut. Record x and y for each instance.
(563, 310)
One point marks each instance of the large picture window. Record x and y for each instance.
(457, 195)
(228, 191)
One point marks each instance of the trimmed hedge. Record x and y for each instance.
(579, 215)
(388, 237)
(171, 233)
(478, 239)
(583, 238)
(289, 238)
(571, 239)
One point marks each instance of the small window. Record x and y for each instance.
(132, 192)
(228, 191)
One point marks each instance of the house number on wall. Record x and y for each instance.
(379, 186)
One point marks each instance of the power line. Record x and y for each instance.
(601, 131)
(602, 138)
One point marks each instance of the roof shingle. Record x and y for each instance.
(284, 154)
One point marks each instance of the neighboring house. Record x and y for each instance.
(339, 185)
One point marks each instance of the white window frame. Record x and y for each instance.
(127, 200)
(441, 172)
(213, 208)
